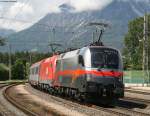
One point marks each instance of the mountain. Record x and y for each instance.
(68, 27)
(6, 32)
(66, 8)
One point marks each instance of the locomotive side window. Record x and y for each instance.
(81, 61)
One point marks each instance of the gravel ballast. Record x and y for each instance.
(44, 104)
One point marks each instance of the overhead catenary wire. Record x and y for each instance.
(7, 1)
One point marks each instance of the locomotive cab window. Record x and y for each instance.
(105, 58)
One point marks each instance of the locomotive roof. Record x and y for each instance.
(79, 51)
(36, 64)
(102, 47)
(70, 54)
(44, 60)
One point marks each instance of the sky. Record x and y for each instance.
(24, 13)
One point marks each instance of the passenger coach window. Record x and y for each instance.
(30, 71)
(33, 71)
(36, 70)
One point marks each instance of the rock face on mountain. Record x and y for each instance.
(68, 27)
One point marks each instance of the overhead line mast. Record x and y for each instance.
(146, 50)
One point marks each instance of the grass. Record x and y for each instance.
(3, 66)
(12, 81)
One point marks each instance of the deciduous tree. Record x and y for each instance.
(133, 42)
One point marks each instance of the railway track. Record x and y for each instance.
(116, 110)
(123, 111)
(97, 109)
(2, 85)
(14, 102)
(139, 92)
(145, 101)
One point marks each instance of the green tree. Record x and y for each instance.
(4, 72)
(2, 41)
(133, 41)
(19, 70)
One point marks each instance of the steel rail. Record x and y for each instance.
(139, 92)
(117, 110)
(15, 103)
(145, 101)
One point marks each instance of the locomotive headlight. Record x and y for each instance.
(120, 79)
(88, 77)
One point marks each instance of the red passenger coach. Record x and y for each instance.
(47, 71)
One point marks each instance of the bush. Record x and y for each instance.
(19, 70)
(4, 72)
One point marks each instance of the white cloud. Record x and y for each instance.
(34, 10)
(84, 5)
(17, 10)
(146, 1)
(15, 25)
(20, 9)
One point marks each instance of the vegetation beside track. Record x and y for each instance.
(4, 72)
(13, 81)
(133, 44)
(21, 62)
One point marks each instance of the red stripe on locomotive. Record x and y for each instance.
(79, 72)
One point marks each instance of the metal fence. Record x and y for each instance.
(135, 77)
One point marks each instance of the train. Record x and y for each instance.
(89, 73)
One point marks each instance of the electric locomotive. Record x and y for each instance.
(90, 72)
(93, 72)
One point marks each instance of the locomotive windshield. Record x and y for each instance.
(105, 58)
